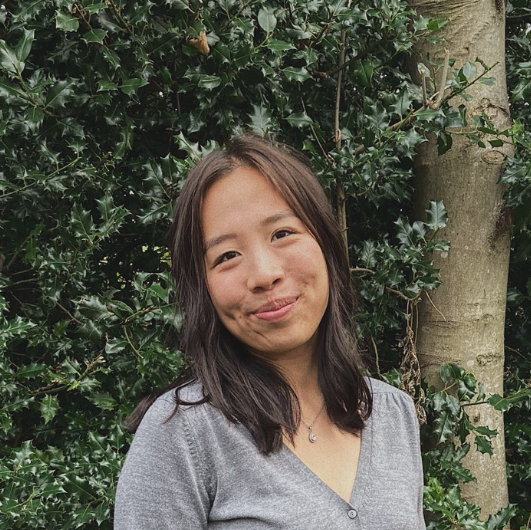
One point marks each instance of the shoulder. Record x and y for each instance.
(379, 388)
(391, 403)
(167, 407)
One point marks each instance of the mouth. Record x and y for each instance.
(275, 310)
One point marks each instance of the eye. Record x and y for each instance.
(279, 234)
(226, 257)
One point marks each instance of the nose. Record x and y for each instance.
(265, 271)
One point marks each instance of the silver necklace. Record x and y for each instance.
(311, 435)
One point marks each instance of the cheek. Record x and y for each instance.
(222, 294)
(312, 266)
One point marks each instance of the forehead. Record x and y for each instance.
(243, 190)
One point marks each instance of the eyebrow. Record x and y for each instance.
(272, 219)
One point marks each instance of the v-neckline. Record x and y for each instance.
(359, 490)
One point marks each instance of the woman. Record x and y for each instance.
(274, 425)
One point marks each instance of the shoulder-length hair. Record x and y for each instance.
(247, 389)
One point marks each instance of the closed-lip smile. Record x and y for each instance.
(276, 309)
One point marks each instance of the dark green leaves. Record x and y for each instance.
(105, 107)
(437, 215)
(66, 22)
(267, 19)
(95, 35)
(296, 74)
(299, 119)
(363, 72)
(49, 408)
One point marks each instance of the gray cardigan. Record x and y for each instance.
(198, 471)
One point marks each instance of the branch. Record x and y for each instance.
(442, 84)
(434, 306)
(341, 199)
(456, 92)
(362, 269)
(402, 295)
(72, 317)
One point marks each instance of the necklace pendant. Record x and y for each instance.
(312, 437)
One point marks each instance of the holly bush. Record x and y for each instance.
(104, 107)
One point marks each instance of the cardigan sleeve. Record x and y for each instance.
(162, 483)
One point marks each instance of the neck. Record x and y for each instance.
(301, 373)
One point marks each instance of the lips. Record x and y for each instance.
(275, 310)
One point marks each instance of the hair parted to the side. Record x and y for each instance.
(244, 387)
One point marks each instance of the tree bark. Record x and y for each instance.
(474, 272)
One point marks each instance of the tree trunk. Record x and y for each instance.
(474, 272)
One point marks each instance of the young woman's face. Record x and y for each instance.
(266, 273)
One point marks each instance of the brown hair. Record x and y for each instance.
(246, 388)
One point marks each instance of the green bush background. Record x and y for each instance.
(104, 106)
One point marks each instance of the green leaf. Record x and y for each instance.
(499, 402)
(103, 400)
(436, 24)
(209, 82)
(296, 74)
(9, 89)
(489, 81)
(449, 371)
(522, 91)
(496, 143)
(501, 518)
(444, 142)
(23, 47)
(95, 35)
(9, 60)
(110, 56)
(483, 444)
(66, 22)
(363, 72)
(94, 7)
(279, 45)
(34, 115)
(106, 207)
(444, 427)
(260, 120)
(106, 85)
(130, 86)
(299, 120)
(402, 103)
(17, 326)
(82, 222)
(267, 19)
(59, 93)
(469, 70)
(32, 370)
(437, 218)
(49, 407)
(428, 115)
(485, 431)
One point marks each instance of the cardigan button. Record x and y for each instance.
(352, 514)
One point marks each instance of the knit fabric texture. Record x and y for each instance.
(197, 471)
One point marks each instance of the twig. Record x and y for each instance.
(325, 153)
(442, 83)
(376, 356)
(434, 306)
(72, 317)
(454, 93)
(341, 198)
(362, 269)
(137, 352)
(402, 295)
(118, 13)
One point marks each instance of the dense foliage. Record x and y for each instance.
(104, 107)
(518, 329)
